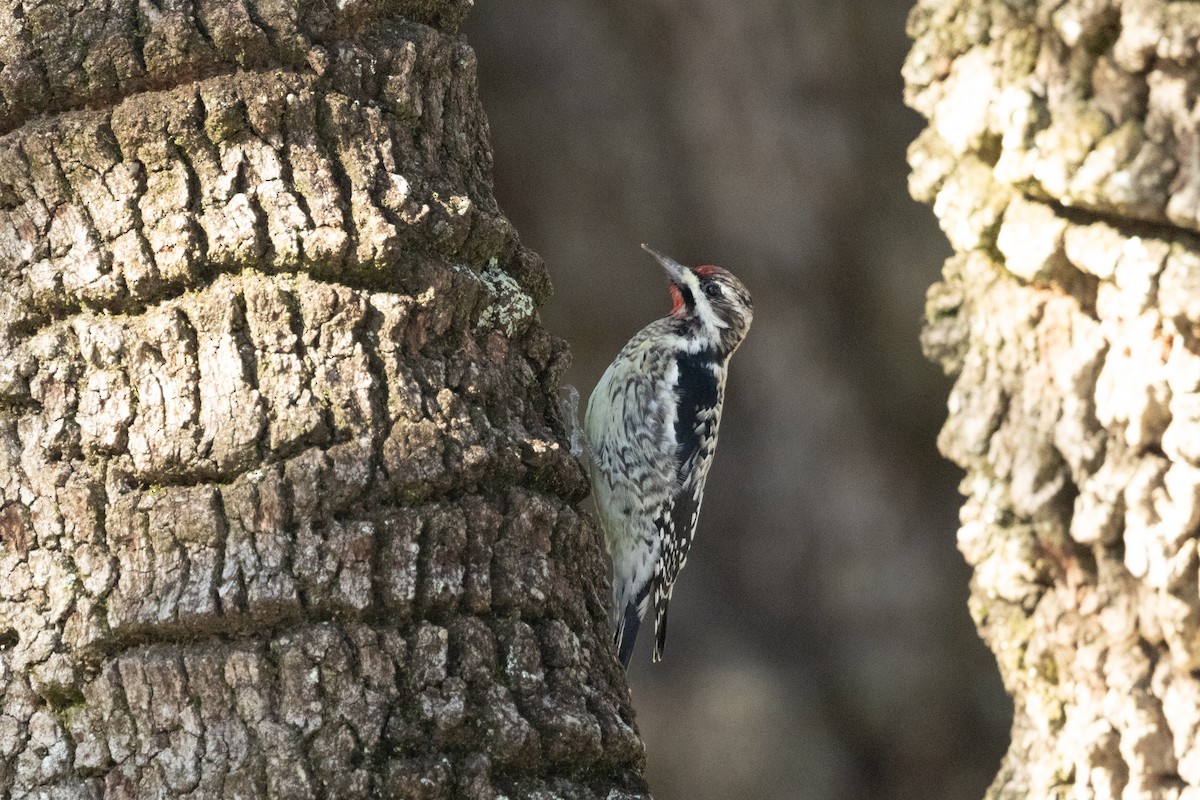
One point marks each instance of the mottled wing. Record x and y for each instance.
(627, 420)
(630, 427)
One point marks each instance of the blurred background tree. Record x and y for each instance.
(821, 644)
(1061, 158)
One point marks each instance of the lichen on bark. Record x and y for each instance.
(286, 506)
(1059, 158)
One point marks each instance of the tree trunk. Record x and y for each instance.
(1063, 160)
(286, 508)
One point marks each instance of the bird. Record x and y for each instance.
(651, 425)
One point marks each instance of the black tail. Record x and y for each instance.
(627, 631)
(660, 628)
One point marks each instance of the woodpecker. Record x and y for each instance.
(652, 425)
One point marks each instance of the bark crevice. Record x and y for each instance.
(285, 505)
(1058, 159)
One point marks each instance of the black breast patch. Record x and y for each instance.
(698, 397)
(695, 436)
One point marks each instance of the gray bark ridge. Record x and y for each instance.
(1060, 158)
(286, 506)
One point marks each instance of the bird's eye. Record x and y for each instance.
(712, 290)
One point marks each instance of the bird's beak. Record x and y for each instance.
(675, 271)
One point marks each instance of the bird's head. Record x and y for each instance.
(709, 299)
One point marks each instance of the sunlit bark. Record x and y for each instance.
(285, 504)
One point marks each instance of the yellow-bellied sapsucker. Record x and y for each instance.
(652, 425)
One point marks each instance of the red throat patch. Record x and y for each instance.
(677, 305)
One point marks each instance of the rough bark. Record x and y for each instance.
(286, 509)
(1062, 160)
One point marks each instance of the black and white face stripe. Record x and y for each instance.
(710, 302)
(723, 309)
(689, 299)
